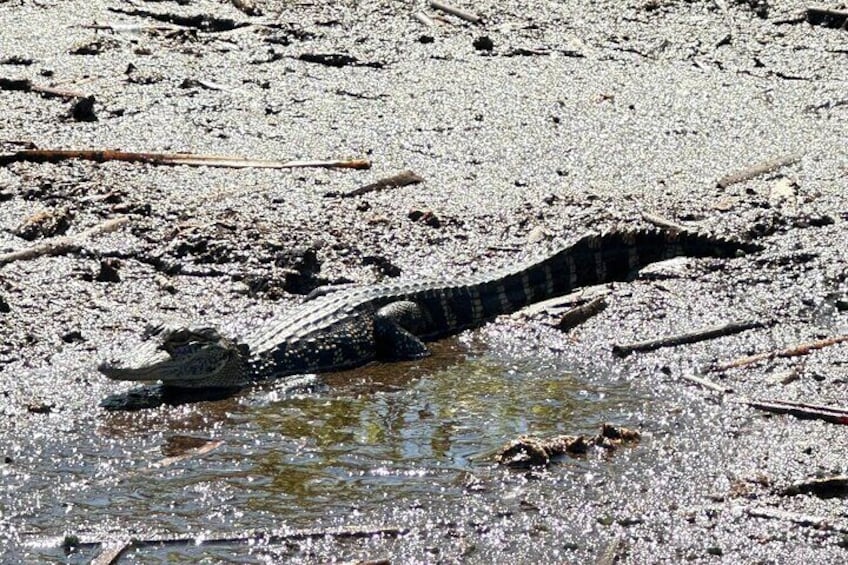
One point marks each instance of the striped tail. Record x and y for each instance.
(596, 259)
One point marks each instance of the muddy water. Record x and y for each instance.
(350, 448)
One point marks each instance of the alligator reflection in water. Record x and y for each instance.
(394, 435)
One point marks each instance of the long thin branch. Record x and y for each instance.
(63, 244)
(688, 337)
(832, 414)
(817, 522)
(663, 222)
(794, 351)
(101, 156)
(458, 12)
(112, 550)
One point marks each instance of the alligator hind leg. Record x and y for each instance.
(394, 325)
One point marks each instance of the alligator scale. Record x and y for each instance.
(352, 326)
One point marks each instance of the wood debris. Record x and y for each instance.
(530, 451)
(191, 159)
(403, 178)
(758, 169)
(454, 11)
(695, 336)
(63, 244)
(794, 351)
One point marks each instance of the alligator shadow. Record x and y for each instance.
(153, 396)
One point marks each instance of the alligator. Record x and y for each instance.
(343, 328)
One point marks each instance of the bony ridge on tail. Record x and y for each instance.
(355, 325)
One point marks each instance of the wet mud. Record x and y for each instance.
(536, 124)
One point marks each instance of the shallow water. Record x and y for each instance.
(352, 447)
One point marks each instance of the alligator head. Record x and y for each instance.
(183, 357)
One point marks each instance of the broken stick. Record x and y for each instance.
(795, 351)
(26, 85)
(423, 18)
(623, 350)
(62, 245)
(827, 487)
(458, 12)
(758, 169)
(662, 222)
(706, 383)
(403, 178)
(113, 549)
(101, 156)
(580, 314)
(834, 415)
(817, 522)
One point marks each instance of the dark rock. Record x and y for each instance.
(40, 408)
(72, 336)
(425, 216)
(83, 110)
(483, 43)
(108, 271)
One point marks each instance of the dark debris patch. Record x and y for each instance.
(47, 223)
(202, 22)
(530, 451)
(82, 109)
(383, 265)
(338, 60)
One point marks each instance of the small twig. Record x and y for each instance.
(131, 27)
(403, 178)
(795, 351)
(424, 19)
(706, 383)
(189, 453)
(662, 222)
(623, 350)
(26, 85)
(758, 169)
(64, 244)
(817, 522)
(458, 12)
(101, 156)
(580, 314)
(834, 415)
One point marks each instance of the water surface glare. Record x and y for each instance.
(356, 447)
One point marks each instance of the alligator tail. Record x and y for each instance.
(599, 258)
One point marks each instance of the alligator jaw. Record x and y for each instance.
(146, 364)
(182, 358)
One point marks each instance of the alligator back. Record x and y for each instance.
(337, 330)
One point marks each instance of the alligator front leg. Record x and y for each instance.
(394, 331)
